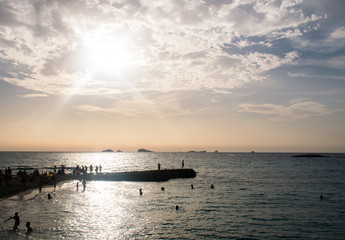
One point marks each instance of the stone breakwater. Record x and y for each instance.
(144, 176)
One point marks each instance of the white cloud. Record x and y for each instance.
(35, 95)
(306, 75)
(295, 111)
(176, 45)
(139, 107)
(339, 33)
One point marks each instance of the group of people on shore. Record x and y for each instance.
(83, 169)
(6, 176)
(25, 177)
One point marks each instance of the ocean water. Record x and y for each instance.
(256, 196)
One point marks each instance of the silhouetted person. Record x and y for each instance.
(159, 166)
(23, 180)
(140, 192)
(28, 227)
(191, 186)
(182, 163)
(177, 207)
(84, 184)
(77, 186)
(40, 185)
(321, 197)
(16, 220)
(212, 186)
(49, 196)
(162, 188)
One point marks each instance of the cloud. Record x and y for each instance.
(307, 75)
(37, 95)
(134, 108)
(295, 111)
(174, 45)
(339, 33)
(173, 104)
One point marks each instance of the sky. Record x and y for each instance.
(174, 75)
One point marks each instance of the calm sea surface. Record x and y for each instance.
(256, 196)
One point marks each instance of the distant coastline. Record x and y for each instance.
(311, 156)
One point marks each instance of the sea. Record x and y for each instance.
(255, 196)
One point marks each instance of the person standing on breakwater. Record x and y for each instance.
(182, 163)
(8, 175)
(159, 166)
(16, 220)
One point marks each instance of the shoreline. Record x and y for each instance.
(16, 187)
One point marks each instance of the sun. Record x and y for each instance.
(108, 54)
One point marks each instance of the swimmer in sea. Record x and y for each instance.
(140, 192)
(16, 220)
(49, 196)
(212, 186)
(28, 228)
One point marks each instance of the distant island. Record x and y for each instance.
(311, 155)
(108, 150)
(143, 150)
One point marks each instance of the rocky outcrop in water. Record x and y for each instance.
(143, 150)
(108, 150)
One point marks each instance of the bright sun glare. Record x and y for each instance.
(107, 54)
